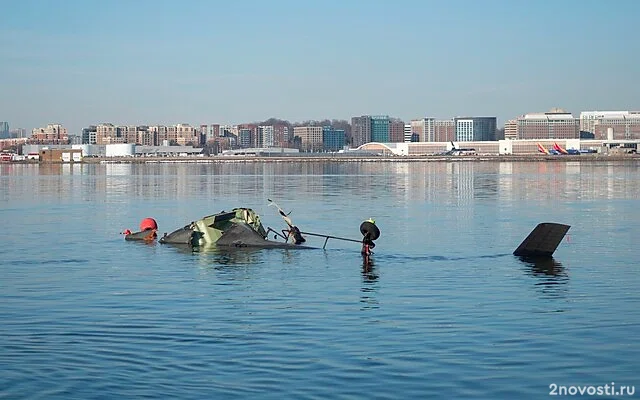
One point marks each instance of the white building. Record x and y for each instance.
(266, 133)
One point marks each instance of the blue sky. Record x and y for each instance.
(81, 62)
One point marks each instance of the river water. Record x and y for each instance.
(443, 310)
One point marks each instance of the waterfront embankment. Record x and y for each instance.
(360, 158)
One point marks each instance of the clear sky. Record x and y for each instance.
(82, 62)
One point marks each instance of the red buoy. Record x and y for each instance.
(148, 224)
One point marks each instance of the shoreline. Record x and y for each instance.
(342, 158)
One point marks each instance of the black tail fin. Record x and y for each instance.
(543, 240)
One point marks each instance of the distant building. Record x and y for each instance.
(89, 135)
(160, 135)
(245, 138)
(380, 128)
(511, 129)
(407, 133)
(229, 129)
(18, 133)
(424, 128)
(333, 139)
(396, 131)
(310, 137)
(625, 125)
(433, 130)
(444, 130)
(51, 134)
(555, 124)
(267, 135)
(187, 135)
(281, 135)
(108, 133)
(147, 136)
(360, 130)
(212, 131)
(473, 129)
(4, 130)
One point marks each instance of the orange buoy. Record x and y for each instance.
(148, 224)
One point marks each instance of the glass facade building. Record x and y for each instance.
(4, 130)
(474, 129)
(380, 128)
(333, 139)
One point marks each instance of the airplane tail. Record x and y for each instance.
(543, 240)
(542, 150)
(560, 149)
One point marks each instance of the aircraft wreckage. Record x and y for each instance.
(242, 227)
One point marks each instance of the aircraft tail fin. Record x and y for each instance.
(541, 149)
(543, 240)
(560, 148)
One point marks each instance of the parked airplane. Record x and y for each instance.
(544, 150)
(461, 152)
(559, 149)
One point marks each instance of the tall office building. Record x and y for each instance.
(333, 139)
(4, 130)
(555, 124)
(444, 130)
(474, 129)
(281, 135)
(396, 131)
(424, 128)
(380, 128)
(245, 138)
(360, 130)
(267, 134)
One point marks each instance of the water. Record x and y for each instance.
(444, 311)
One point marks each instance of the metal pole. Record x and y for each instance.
(331, 237)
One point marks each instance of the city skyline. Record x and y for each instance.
(205, 62)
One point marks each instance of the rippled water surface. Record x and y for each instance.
(443, 311)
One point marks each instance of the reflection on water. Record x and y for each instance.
(369, 273)
(369, 289)
(211, 255)
(551, 275)
(546, 267)
(457, 183)
(443, 309)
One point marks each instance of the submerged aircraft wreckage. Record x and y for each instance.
(241, 227)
